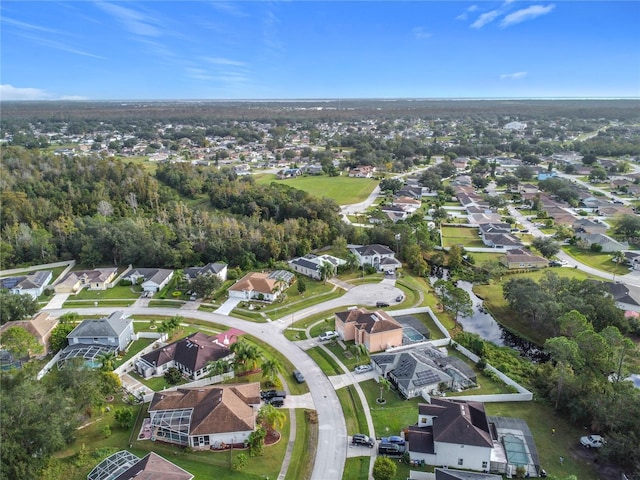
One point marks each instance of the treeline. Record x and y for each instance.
(543, 302)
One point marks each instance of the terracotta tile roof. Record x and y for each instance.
(255, 282)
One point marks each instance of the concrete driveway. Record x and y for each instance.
(227, 307)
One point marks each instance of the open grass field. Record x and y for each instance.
(344, 190)
(466, 236)
(600, 260)
(482, 257)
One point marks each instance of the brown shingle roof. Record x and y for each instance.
(371, 322)
(461, 423)
(215, 409)
(193, 352)
(154, 467)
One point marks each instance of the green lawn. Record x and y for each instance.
(600, 260)
(344, 190)
(482, 257)
(466, 236)
(304, 448)
(352, 408)
(110, 293)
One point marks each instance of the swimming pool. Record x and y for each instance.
(412, 335)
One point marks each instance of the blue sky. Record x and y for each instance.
(103, 50)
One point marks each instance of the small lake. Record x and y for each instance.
(485, 326)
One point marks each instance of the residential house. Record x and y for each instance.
(124, 465)
(498, 235)
(625, 298)
(394, 213)
(482, 218)
(608, 244)
(310, 265)
(217, 269)
(96, 279)
(39, 326)
(584, 225)
(116, 330)
(379, 256)
(420, 370)
(205, 417)
(461, 181)
(592, 202)
(411, 192)
(191, 355)
(546, 175)
(362, 171)
(451, 474)
(523, 258)
(261, 286)
(30, 284)
(461, 163)
(459, 434)
(614, 210)
(375, 330)
(408, 204)
(150, 279)
(633, 259)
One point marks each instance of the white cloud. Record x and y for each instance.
(485, 18)
(513, 76)
(421, 34)
(525, 14)
(9, 92)
(228, 8)
(135, 22)
(465, 14)
(224, 61)
(31, 26)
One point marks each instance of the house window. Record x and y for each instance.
(423, 420)
(485, 465)
(460, 462)
(203, 440)
(95, 340)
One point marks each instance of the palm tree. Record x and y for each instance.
(218, 367)
(179, 278)
(619, 258)
(270, 370)
(327, 270)
(246, 356)
(383, 383)
(352, 261)
(272, 418)
(107, 361)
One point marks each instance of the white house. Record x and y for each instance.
(153, 279)
(205, 417)
(459, 434)
(217, 269)
(31, 284)
(379, 256)
(310, 265)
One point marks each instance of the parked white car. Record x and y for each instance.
(592, 441)
(323, 337)
(363, 368)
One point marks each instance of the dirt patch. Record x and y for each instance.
(604, 469)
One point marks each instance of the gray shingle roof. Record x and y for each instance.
(112, 326)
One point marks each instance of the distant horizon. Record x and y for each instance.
(318, 99)
(234, 50)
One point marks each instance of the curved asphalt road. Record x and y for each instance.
(332, 435)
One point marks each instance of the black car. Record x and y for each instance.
(276, 401)
(362, 439)
(298, 376)
(269, 394)
(391, 449)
